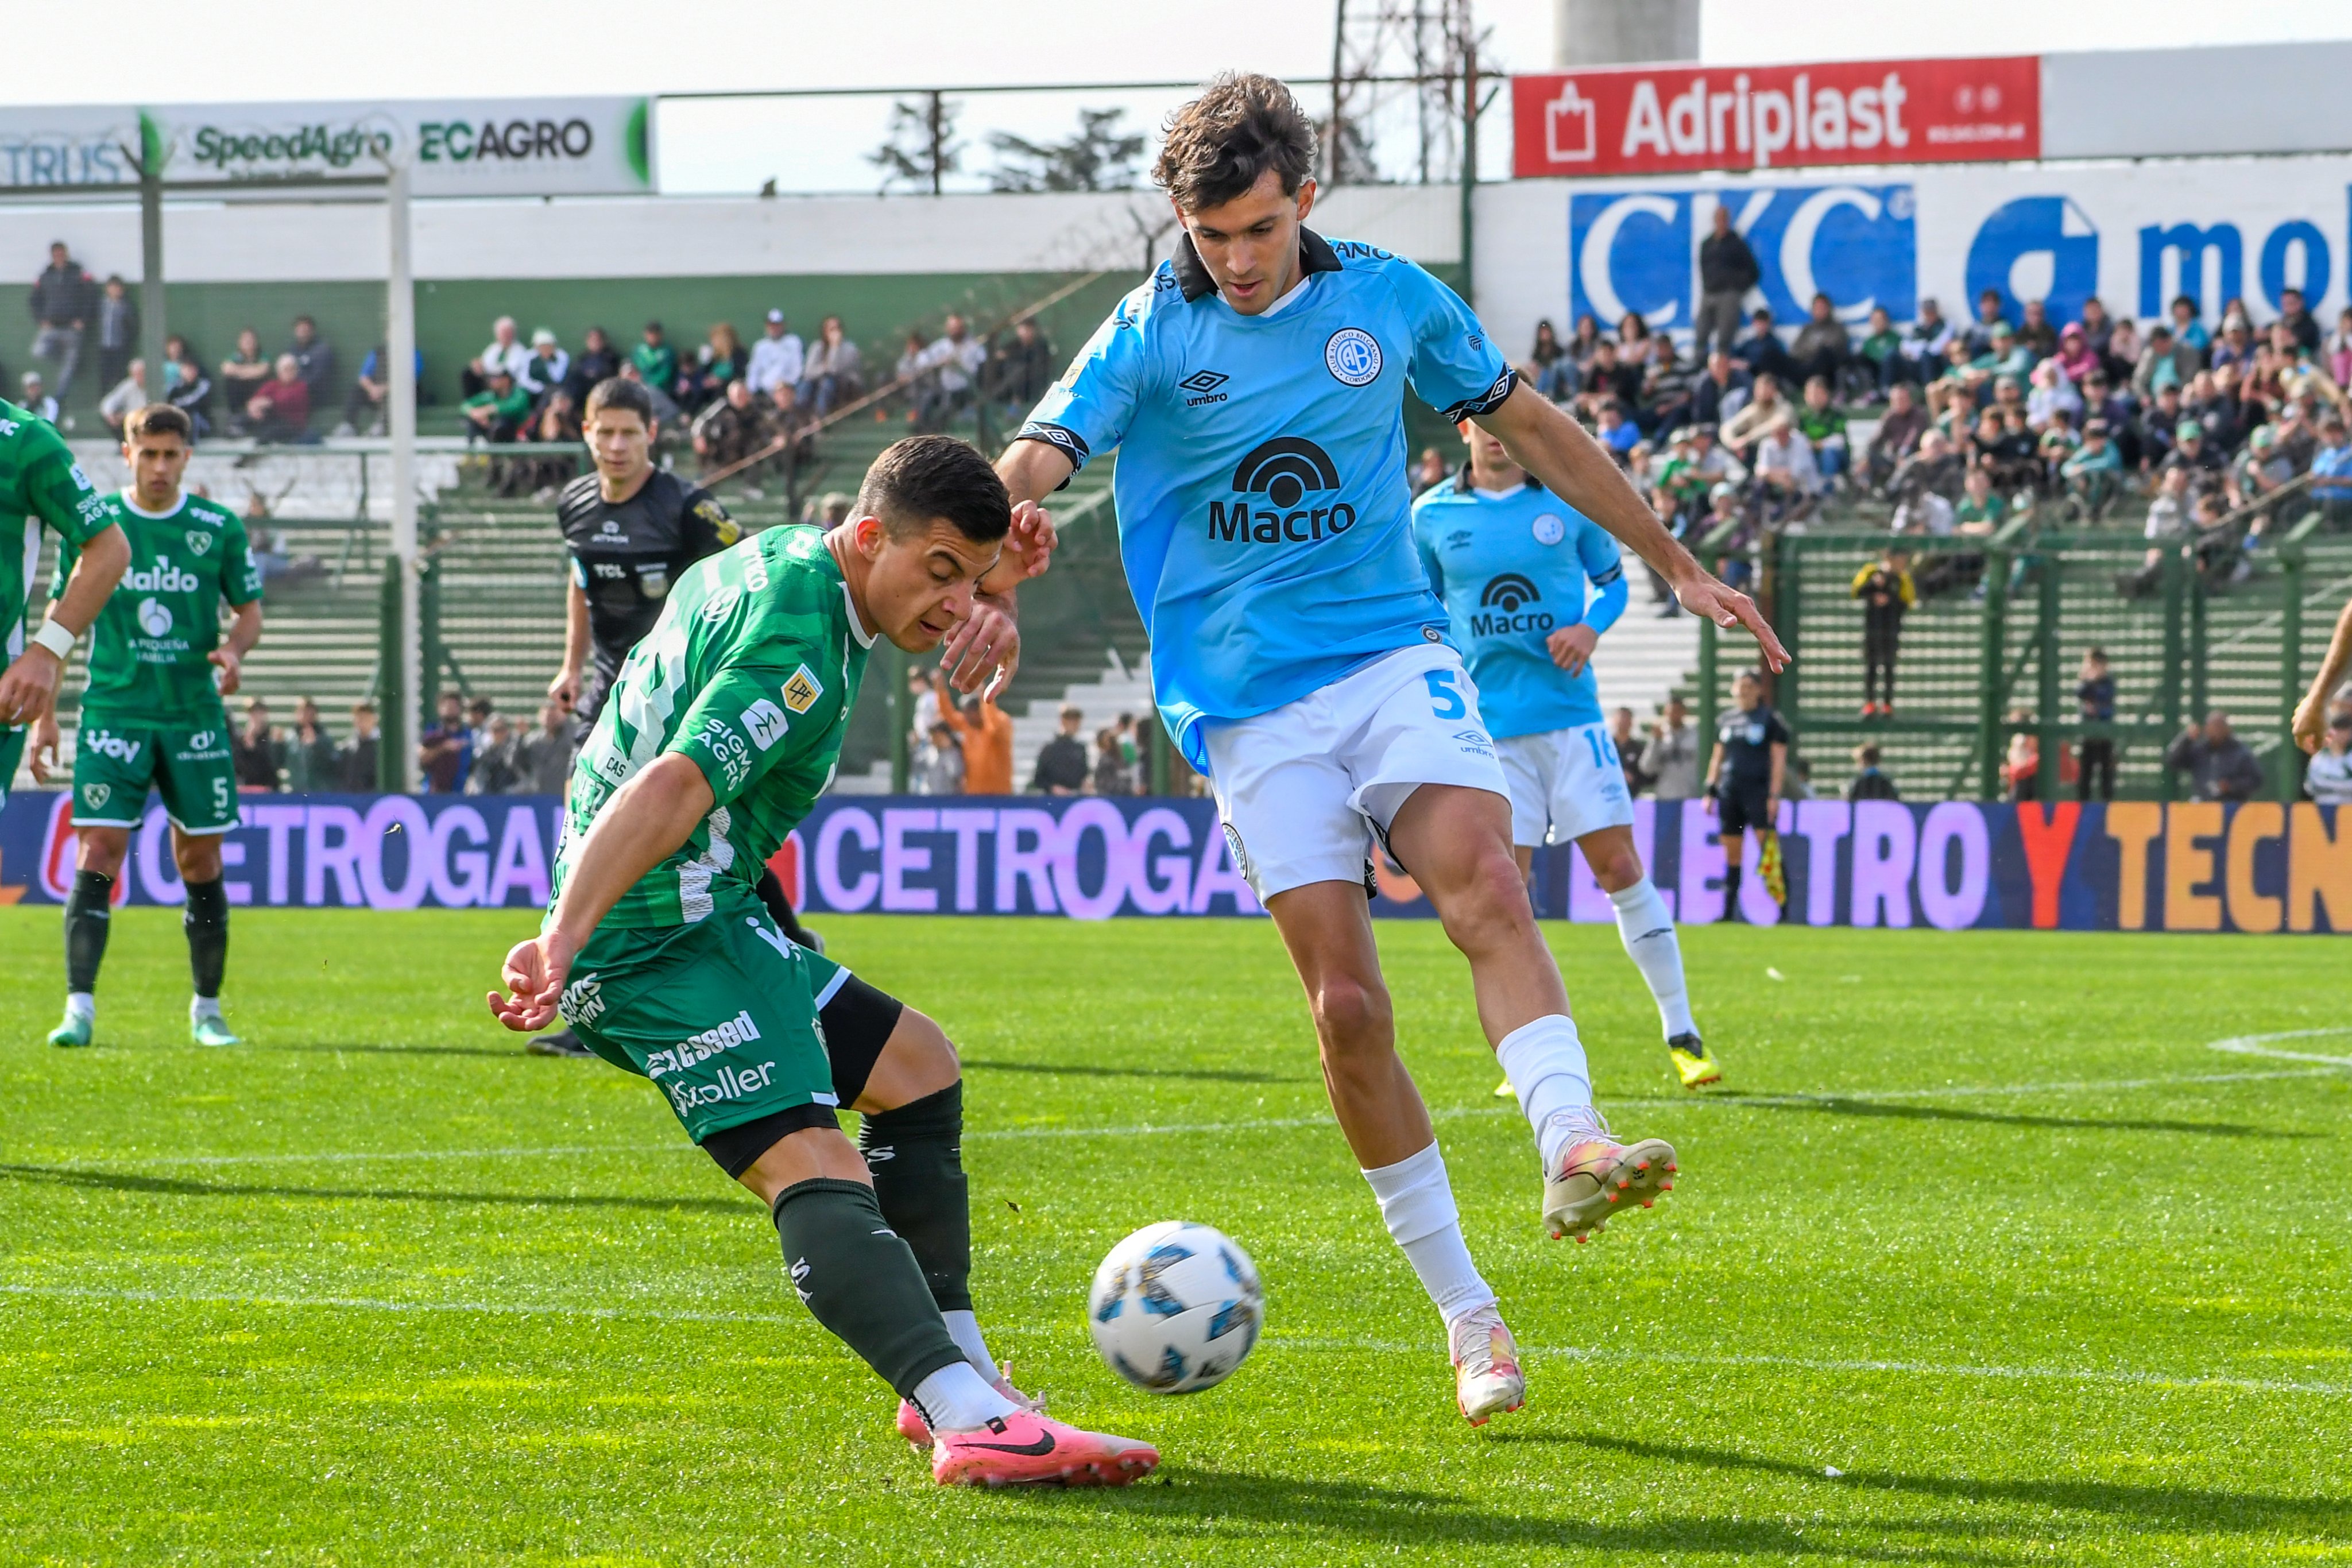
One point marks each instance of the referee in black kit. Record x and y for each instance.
(630, 529)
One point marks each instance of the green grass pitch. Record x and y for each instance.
(1981, 1225)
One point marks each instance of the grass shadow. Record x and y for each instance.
(181, 1187)
(1832, 1106)
(1427, 1522)
(1206, 1074)
(2177, 1506)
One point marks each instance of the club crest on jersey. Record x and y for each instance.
(1551, 529)
(1352, 356)
(96, 794)
(802, 690)
(199, 541)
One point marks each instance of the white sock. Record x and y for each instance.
(1417, 1206)
(964, 1329)
(1545, 1062)
(82, 1005)
(201, 1008)
(956, 1399)
(1648, 932)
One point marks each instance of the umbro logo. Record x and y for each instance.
(1203, 386)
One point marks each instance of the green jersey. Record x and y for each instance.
(148, 647)
(750, 672)
(40, 483)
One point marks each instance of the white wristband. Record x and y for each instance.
(55, 638)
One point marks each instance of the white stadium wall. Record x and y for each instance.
(1893, 235)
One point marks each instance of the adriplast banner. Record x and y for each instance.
(1641, 119)
(2136, 234)
(1955, 866)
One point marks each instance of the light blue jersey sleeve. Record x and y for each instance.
(1089, 409)
(1604, 565)
(1454, 370)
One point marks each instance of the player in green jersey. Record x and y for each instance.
(724, 726)
(153, 715)
(41, 485)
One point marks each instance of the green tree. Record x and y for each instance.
(1096, 158)
(921, 150)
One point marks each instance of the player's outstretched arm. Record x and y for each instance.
(641, 826)
(1556, 449)
(30, 685)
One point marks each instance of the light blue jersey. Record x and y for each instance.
(1513, 570)
(1263, 514)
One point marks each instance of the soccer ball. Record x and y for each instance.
(1175, 1307)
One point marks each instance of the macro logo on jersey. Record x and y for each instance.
(1203, 386)
(1353, 356)
(1285, 471)
(1503, 607)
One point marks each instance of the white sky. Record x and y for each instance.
(256, 49)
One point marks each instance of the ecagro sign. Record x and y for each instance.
(537, 147)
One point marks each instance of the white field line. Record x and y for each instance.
(2179, 1382)
(2257, 1045)
(1277, 1124)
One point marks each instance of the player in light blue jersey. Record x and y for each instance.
(1529, 584)
(1254, 388)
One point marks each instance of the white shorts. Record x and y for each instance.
(1303, 789)
(1565, 783)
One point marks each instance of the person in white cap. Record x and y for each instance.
(777, 360)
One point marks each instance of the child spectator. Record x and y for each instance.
(1745, 777)
(1822, 424)
(1981, 511)
(1887, 592)
(2095, 699)
(1114, 774)
(1870, 782)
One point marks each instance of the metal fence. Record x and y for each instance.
(1994, 647)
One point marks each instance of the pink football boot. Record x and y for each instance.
(1028, 1449)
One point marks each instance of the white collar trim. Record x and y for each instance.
(136, 510)
(856, 622)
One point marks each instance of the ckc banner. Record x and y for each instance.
(2260, 867)
(2136, 234)
(1650, 119)
(518, 147)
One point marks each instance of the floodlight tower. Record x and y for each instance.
(1400, 71)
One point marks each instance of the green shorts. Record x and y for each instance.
(12, 752)
(721, 1015)
(114, 764)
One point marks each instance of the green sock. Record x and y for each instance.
(89, 915)
(915, 1155)
(860, 1281)
(205, 920)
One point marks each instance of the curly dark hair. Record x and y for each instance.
(1217, 146)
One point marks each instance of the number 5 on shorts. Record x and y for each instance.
(1443, 700)
(220, 796)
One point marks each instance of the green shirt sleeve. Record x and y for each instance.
(58, 492)
(738, 729)
(240, 573)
